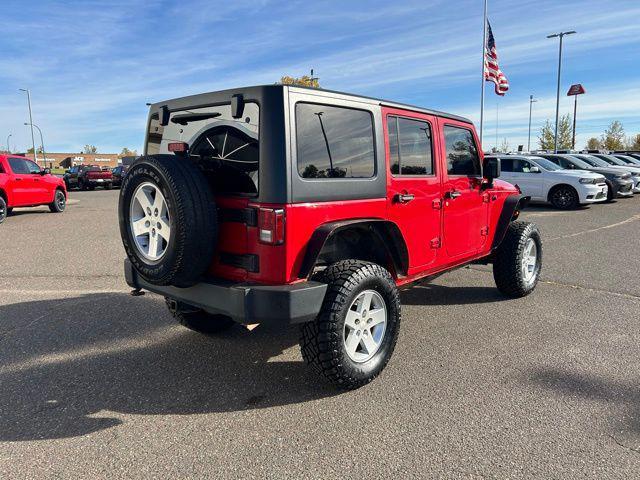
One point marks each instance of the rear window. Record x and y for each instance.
(226, 147)
(334, 142)
(410, 146)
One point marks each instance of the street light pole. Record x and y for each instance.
(561, 36)
(531, 102)
(33, 138)
(8, 146)
(44, 154)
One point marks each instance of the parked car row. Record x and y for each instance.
(566, 180)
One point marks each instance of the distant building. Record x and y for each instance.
(66, 160)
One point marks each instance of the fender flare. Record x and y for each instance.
(510, 211)
(384, 230)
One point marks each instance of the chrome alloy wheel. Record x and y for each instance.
(529, 263)
(149, 221)
(365, 326)
(61, 201)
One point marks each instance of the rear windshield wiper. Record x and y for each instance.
(193, 117)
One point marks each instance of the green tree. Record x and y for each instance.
(128, 153)
(613, 138)
(304, 81)
(90, 149)
(546, 139)
(593, 144)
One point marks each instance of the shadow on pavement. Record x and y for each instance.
(66, 365)
(591, 387)
(441, 295)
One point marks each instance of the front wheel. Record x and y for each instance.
(564, 197)
(198, 320)
(59, 202)
(518, 261)
(355, 333)
(4, 211)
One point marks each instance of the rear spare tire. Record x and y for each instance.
(168, 221)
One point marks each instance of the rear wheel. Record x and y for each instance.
(107, 186)
(198, 320)
(564, 197)
(518, 261)
(4, 211)
(59, 202)
(353, 337)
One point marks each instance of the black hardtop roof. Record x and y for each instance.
(192, 100)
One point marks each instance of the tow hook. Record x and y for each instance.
(137, 292)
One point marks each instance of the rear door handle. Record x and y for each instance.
(453, 194)
(404, 197)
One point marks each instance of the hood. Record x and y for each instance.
(606, 171)
(575, 173)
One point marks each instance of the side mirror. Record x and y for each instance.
(492, 169)
(46, 171)
(534, 169)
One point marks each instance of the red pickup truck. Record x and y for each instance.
(88, 177)
(24, 184)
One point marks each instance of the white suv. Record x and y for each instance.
(544, 181)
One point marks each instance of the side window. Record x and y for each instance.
(334, 142)
(506, 164)
(2, 168)
(462, 153)
(19, 166)
(410, 146)
(521, 166)
(32, 167)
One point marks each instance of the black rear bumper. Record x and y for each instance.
(245, 303)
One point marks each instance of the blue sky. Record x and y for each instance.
(91, 66)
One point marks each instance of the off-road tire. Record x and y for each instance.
(507, 271)
(564, 197)
(201, 321)
(192, 214)
(59, 203)
(321, 341)
(4, 211)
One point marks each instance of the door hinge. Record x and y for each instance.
(437, 204)
(484, 231)
(435, 243)
(486, 198)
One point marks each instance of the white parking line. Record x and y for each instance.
(613, 225)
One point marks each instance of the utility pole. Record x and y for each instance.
(33, 138)
(44, 154)
(497, 149)
(8, 146)
(561, 36)
(531, 102)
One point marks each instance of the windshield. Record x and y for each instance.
(611, 160)
(628, 160)
(593, 161)
(579, 163)
(546, 164)
(225, 146)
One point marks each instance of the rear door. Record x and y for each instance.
(465, 204)
(414, 193)
(39, 187)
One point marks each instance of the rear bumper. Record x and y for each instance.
(245, 303)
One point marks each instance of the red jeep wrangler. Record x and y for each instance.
(283, 205)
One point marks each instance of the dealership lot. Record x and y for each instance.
(107, 384)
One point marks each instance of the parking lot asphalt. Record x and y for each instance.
(95, 383)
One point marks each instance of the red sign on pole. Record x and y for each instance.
(576, 89)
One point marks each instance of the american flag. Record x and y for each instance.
(492, 72)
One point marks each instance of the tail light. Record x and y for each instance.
(178, 147)
(271, 226)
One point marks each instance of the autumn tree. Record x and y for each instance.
(304, 81)
(128, 153)
(89, 149)
(546, 139)
(633, 143)
(504, 146)
(593, 144)
(613, 138)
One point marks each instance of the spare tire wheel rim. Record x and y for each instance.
(365, 326)
(149, 221)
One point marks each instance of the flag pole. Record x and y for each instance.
(484, 43)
